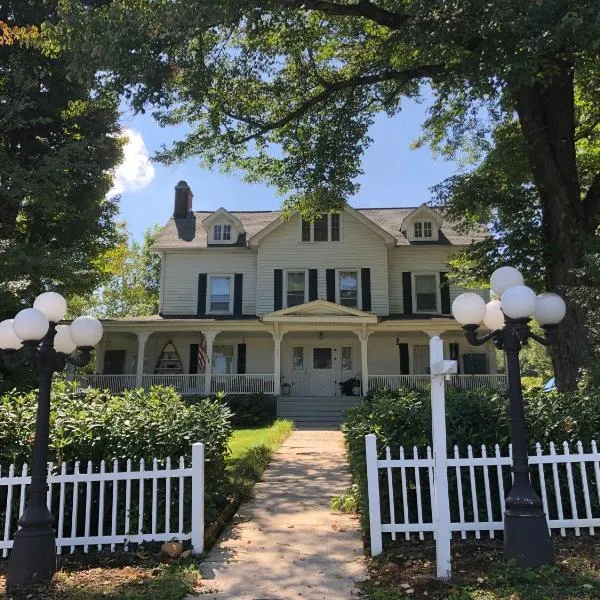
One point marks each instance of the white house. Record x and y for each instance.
(253, 302)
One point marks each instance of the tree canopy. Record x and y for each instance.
(59, 141)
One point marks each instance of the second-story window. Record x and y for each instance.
(295, 288)
(426, 293)
(423, 229)
(348, 288)
(324, 229)
(220, 294)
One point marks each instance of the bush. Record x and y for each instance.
(97, 426)
(477, 417)
(255, 410)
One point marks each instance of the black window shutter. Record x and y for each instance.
(365, 283)
(238, 288)
(241, 359)
(278, 289)
(407, 292)
(330, 280)
(404, 359)
(454, 350)
(193, 359)
(312, 285)
(445, 293)
(202, 293)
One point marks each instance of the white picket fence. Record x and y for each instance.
(100, 507)
(568, 484)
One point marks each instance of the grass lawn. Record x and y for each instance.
(407, 570)
(141, 575)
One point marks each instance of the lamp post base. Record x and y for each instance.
(32, 559)
(526, 539)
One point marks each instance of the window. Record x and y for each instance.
(348, 288)
(423, 229)
(320, 229)
(222, 361)
(222, 233)
(335, 228)
(323, 229)
(426, 293)
(322, 358)
(295, 288)
(220, 294)
(475, 364)
(298, 358)
(421, 359)
(347, 358)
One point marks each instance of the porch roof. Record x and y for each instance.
(320, 311)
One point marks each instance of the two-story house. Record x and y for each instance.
(252, 301)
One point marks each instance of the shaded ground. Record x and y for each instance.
(407, 570)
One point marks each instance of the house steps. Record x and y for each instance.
(315, 410)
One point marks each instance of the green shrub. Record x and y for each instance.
(478, 417)
(247, 410)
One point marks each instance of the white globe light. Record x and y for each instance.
(518, 302)
(30, 324)
(86, 331)
(63, 341)
(494, 317)
(468, 309)
(550, 309)
(503, 278)
(53, 305)
(8, 338)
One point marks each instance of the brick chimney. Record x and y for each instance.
(183, 201)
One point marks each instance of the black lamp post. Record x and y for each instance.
(34, 340)
(526, 534)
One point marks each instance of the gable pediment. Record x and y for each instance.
(318, 310)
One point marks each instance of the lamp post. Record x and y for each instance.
(34, 339)
(526, 534)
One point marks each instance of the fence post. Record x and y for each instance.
(439, 368)
(197, 498)
(373, 487)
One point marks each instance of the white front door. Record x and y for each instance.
(300, 372)
(322, 371)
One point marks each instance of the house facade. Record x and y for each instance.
(257, 302)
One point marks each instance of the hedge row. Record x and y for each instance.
(476, 417)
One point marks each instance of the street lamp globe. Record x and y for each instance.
(8, 338)
(503, 278)
(494, 317)
(468, 308)
(63, 341)
(86, 331)
(30, 324)
(550, 309)
(53, 305)
(518, 302)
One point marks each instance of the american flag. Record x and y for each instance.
(202, 354)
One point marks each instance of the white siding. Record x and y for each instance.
(414, 259)
(181, 269)
(360, 247)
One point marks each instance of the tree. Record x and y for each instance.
(58, 145)
(308, 76)
(133, 287)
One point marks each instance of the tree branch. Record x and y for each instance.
(363, 8)
(329, 90)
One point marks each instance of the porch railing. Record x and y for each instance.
(470, 382)
(114, 383)
(184, 384)
(243, 384)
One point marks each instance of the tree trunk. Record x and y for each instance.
(546, 113)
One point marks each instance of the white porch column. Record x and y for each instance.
(277, 335)
(210, 338)
(142, 337)
(363, 336)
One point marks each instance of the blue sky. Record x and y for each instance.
(394, 175)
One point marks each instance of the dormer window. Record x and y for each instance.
(423, 230)
(222, 233)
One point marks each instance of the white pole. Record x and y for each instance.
(197, 498)
(441, 518)
(373, 486)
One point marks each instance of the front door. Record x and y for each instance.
(322, 370)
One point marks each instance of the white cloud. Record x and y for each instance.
(136, 171)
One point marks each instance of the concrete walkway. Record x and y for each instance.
(286, 543)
